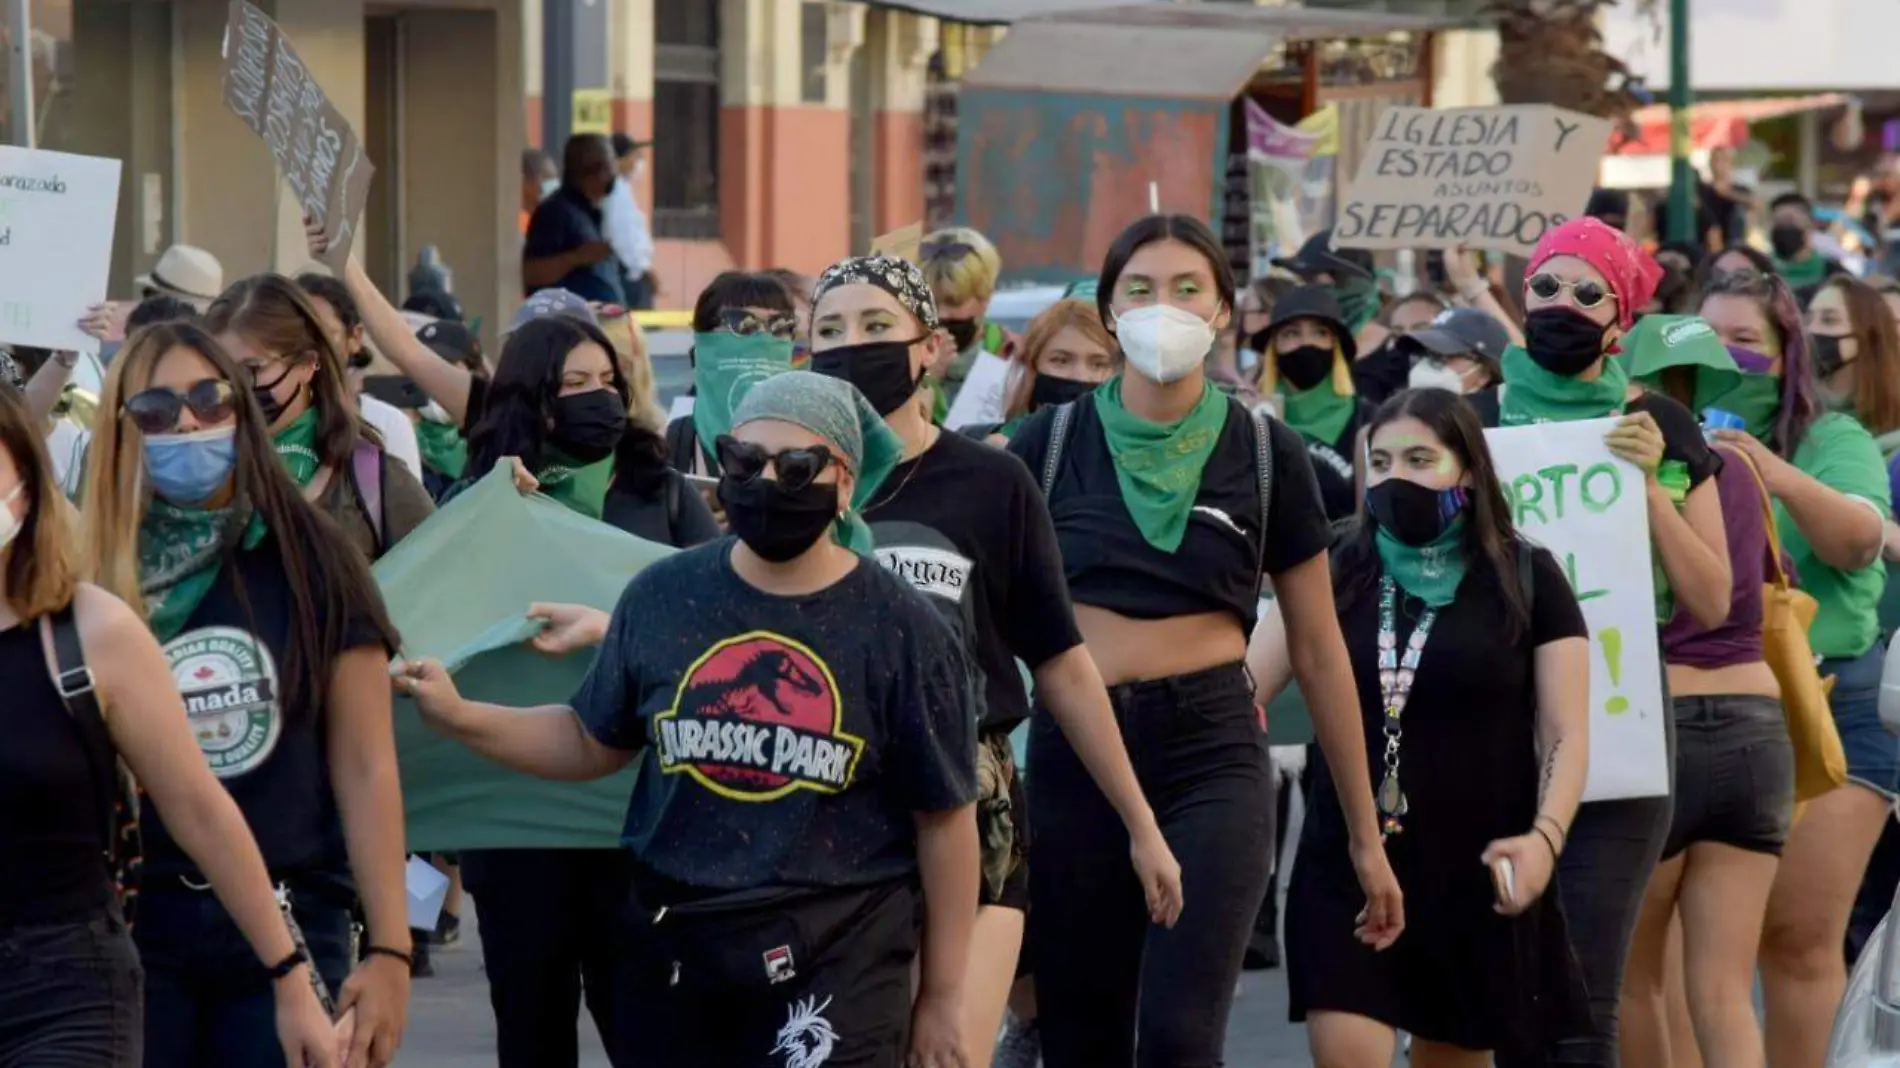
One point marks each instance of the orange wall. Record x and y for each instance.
(785, 186)
(897, 139)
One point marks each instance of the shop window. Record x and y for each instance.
(51, 49)
(685, 119)
(814, 38)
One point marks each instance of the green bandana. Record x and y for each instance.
(179, 553)
(1534, 395)
(1358, 301)
(297, 447)
(725, 366)
(444, 450)
(1756, 398)
(1159, 467)
(1318, 413)
(1429, 572)
(582, 487)
(1809, 270)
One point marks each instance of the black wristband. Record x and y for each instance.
(385, 951)
(297, 958)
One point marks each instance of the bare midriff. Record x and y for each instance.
(1137, 650)
(1755, 680)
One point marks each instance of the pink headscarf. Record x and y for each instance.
(1632, 274)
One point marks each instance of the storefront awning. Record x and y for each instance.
(1718, 123)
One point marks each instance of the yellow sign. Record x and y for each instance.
(593, 111)
(1325, 123)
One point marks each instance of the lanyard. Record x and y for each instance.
(1395, 689)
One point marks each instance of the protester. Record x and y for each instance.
(626, 225)
(965, 525)
(732, 858)
(1734, 768)
(1347, 272)
(1308, 373)
(1855, 350)
(539, 180)
(1156, 484)
(343, 325)
(434, 303)
(297, 378)
(273, 627)
(1379, 371)
(743, 326)
(1461, 351)
(630, 352)
(439, 437)
(800, 288)
(566, 246)
(1792, 237)
(1831, 503)
(1484, 962)
(1065, 353)
(185, 272)
(961, 267)
(73, 992)
(1584, 282)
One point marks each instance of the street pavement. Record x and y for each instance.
(451, 1026)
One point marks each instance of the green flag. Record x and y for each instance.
(458, 588)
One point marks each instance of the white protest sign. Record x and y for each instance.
(981, 398)
(1571, 496)
(1493, 178)
(56, 217)
(428, 889)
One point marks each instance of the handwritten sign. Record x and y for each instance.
(901, 243)
(56, 217)
(981, 399)
(1492, 178)
(1570, 495)
(268, 86)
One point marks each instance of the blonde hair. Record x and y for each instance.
(959, 265)
(630, 352)
(1042, 330)
(1269, 379)
(42, 573)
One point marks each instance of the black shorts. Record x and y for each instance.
(1734, 774)
(820, 980)
(1002, 824)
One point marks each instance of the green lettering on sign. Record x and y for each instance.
(1592, 486)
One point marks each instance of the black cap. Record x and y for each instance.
(1314, 302)
(1459, 332)
(624, 144)
(1318, 257)
(452, 341)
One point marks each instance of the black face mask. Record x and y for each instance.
(962, 331)
(880, 370)
(1414, 514)
(777, 523)
(1827, 355)
(1788, 239)
(1305, 367)
(1562, 341)
(1050, 390)
(587, 426)
(267, 401)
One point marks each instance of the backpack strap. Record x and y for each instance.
(1263, 464)
(1526, 579)
(366, 462)
(673, 504)
(1059, 428)
(66, 664)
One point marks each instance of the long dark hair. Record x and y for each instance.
(739, 289)
(1143, 232)
(521, 400)
(1877, 383)
(329, 581)
(1799, 405)
(1491, 539)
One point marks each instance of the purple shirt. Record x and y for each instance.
(1738, 639)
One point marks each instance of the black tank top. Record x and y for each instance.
(50, 822)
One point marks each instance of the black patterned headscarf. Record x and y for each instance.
(10, 371)
(900, 278)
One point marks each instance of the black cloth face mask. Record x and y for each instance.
(880, 370)
(1562, 341)
(587, 426)
(777, 523)
(1827, 355)
(1305, 367)
(1414, 514)
(1049, 390)
(962, 331)
(1787, 240)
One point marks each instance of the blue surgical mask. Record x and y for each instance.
(549, 186)
(189, 469)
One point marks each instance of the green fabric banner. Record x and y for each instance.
(458, 589)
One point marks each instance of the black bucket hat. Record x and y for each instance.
(1314, 302)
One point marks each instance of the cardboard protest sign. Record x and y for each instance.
(901, 243)
(267, 85)
(56, 217)
(1570, 495)
(452, 798)
(981, 398)
(1493, 178)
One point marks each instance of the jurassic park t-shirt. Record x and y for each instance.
(785, 741)
(229, 663)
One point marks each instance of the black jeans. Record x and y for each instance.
(70, 995)
(548, 918)
(1112, 989)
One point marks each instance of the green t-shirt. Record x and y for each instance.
(1839, 453)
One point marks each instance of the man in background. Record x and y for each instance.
(627, 229)
(539, 180)
(567, 246)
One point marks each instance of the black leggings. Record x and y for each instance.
(1112, 989)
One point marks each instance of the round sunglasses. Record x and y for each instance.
(743, 461)
(1587, 293)
(156, 410)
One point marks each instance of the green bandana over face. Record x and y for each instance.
(443, 449)
(1810, 270)
(297, 447)
(1358, 301)
(1429, 572)
(725, 366)
(1756, 398)
(1534, 395)
(1320, 413)
(179, 553)
(1159, 467)
(582, 487)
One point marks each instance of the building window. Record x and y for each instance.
(814, 37)
(685, 119)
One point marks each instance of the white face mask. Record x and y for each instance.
(548, 186)
(1163, 342)
(1430, 374)
(10, 524)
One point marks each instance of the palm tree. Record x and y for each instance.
(1551, 52)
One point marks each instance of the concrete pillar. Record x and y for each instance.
(898, 46)
(227, 184)
(122, 109)
(631, 66)
(329, 36)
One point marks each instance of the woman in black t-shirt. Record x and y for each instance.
(1309, 376)
(1435, 586)
(1170, 501)
(277, 637)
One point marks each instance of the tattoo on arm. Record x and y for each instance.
(1550, 769)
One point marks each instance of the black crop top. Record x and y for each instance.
(1111, 566)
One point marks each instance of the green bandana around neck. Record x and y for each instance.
(1809, 270)
(1429, 572)
(297, 447)
(725, 367)
(179, 554)
(443, 448)
(1320, 414)
(1159, 467)
(582, 487)
(1358, 301)
(1756, 398)
(1534, 395)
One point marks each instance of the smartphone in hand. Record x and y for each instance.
(1504, 881)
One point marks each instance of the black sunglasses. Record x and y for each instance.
(744, 323)
(1586, 293)
(742, 461)
(156, 410)
(937, 250)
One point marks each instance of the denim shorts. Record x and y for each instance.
(1734, 774)
(1873, 755)
(70, 995)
